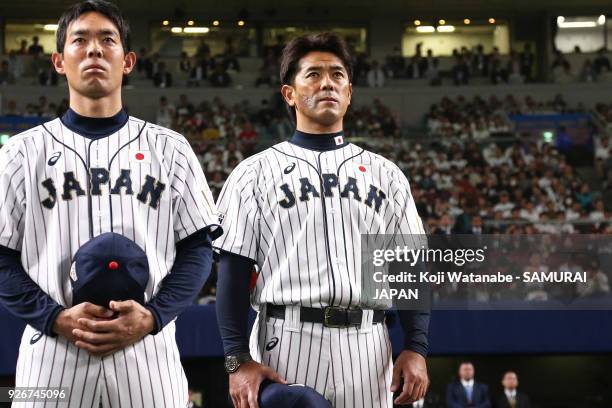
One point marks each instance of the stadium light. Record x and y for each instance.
(446, 29)
(196, 30)
(578, 24)
(491, 20)
(216, 23)
(467, 21)
(165, 22)
(426, 29)
(417, 22)
(50, 27)
(190, 23)
(240, 23)
(601, 20)
(441, 22)
(176, 30)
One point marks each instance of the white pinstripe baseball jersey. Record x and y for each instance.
(59, 189)
(299, 214)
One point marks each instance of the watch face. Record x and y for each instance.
(231, 364)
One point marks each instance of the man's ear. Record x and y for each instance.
(57, 60)
(288, 93)
(350, 91)
(129, 62)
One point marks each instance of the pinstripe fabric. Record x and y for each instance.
(58, 190)
(299, 214)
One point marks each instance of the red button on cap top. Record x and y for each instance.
(113, 265)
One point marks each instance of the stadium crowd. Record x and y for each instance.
(462, 180)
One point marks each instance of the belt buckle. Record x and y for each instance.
(327, 316)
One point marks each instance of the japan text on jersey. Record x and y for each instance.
(300, 213)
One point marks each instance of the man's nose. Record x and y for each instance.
(94, 50)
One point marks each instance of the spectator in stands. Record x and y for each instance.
(185, 63)
(395, 65)
(248, 134)
(15, 64)
(415, 69)
(433, 73)
(162, 78)
(360, 72)
(561, 68)
(376, 76)
(587, 73)
(601, 63)
(460, 71)
(11, 109)
(220, 78)
(23, 49)
(480, 62)
(165, 113)
(203, 49)
(467, 393)
(268, 74)
(62, 107)
(527, 59)
(515, 69)
(476, 226)
(47, 76)
(144, 63)
(559, 61)
(199, 72)
(184, 108)
(43, 105)
(504, 205)
(512, 398)
(596, 284)
(6, 76)
(35, 49)
(230, 61)
(444, 225)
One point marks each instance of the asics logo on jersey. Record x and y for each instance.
(36, 337)
(374, 198)
(54, 158)
(289, 168)
(150, 191)
(272, 343)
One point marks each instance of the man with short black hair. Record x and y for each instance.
(295, 213)
(98, 176)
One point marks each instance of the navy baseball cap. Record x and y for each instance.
(276, 395)
(109, 267)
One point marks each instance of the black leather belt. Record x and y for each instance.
(331, 316)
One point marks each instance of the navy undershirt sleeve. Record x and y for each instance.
(415, 323)
(22, 297)
(182, 285)
(233, 302)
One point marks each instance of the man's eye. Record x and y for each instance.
(338, 74)
(312, 74)
(108, 39)
(78, 40)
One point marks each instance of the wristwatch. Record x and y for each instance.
(233, 363)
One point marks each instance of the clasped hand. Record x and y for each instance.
(103, 331)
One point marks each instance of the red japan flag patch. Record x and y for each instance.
(361, 168)
(140, 156)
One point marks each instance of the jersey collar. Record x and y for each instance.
(320, 142)
(94, 128)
